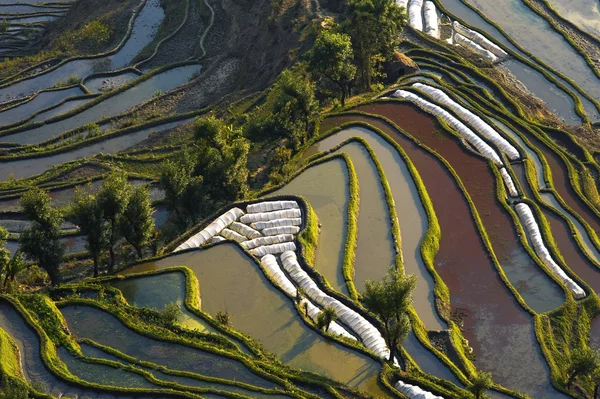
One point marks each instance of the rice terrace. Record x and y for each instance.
(299, 199)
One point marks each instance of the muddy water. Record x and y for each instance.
(581, 13)
(230, 281)
(115, 105)
(411, 215)
(325, 186)
(144, 30)
(102, 327)
(31, 167)
(67, 106)
(595, 332)
(498, 329)
(535, 286)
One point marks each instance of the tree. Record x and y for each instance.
(332, 56)
(136, 222)
(327, 316)
(41, 242)
(223, 318)
(481, 383)
(374, 27)
(584, 361)
(16, 265)
(87, 213)
(113, 198)
(390, 300)
(4, 254)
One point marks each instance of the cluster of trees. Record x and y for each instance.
(117, 211)
(214, 171)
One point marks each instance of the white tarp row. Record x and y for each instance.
(510, 185)
(533, 231)
(266, 216)
(414, 392)
(277, 223)
(470, 44)
(215, 239)
(211, 230)
(370, 336)
(476, 122)
(260, 241)
(402, 3)
(273, 231)
(415, 18)
(261, 251)
(431, 19)
(269, 263)
(232, 235)
(482, 147)
(479, 39)
(244, 230)
(269, 206)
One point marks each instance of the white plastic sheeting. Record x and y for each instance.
(244, 230)
(232, 235)
(277, 223)
(430, 18)
(533, 231)
(260, 241)
(273, 231)
(370, 336)
(510, 185)
(334, 328)
(479, 39)
(211, 230)
(476, 122)
(402, 3)
(269, 206)
(273, 249)
(470, 44)
(269, 262)
(415, 19)
(414, 392)
(215, 239)
(482, 147)
(266, 216)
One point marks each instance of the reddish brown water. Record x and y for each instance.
(499, 331)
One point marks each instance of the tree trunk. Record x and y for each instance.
(6, 280)
(343, 95)
(111, 250)
(596, 387)
(571, 379)
(95, 265)
(138, 249)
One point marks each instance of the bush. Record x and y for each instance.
(170, 314)
(96, 33)
(223, 318)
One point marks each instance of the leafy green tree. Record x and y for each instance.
(390, 300)
(332, 56)
(16, 265)
(4, 253)
(224, 318)
(87, 213)
(481, 383)
(136, 222)
(327, 316)
(41, 243)
(374, 27)
(113, 198)
(582, 362)
(222, 159)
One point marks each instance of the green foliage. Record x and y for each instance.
(374, 26)
(583, 362)
(136, 222)
(14, 267)
(390, 300)
(4, 254)
(481, 383)
(223, 318)
(327, 316)
(92, 130)
(170, 314)
(41, 243)
(4, 26)
(96, 34)
(87, 214)
(332, 56)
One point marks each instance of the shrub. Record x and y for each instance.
(96, 33)
(224, 318)
(170, 314)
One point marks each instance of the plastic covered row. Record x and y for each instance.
(273, 231)
(471, 45)
(266, 216)
(508, 181)
(277, 223)
(232, 235)
(244, 230)
(269, 206)
(415, 18)
(482, 147)
(369, 335)
(260, 241)
(334, 328)
(261, 251)
(402, 3)
(269, 263)
(414, 392)
(479, 39)
(211, 230)
(215, 239)
(535, 236)
(430, 18)
(475, 121)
